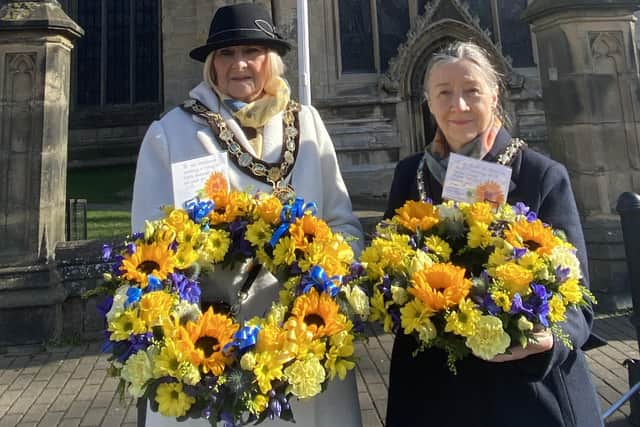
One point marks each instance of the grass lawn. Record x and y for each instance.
(108, 193)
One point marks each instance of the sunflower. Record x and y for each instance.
(533, 235)
(320, 312)
(216, 183)
(307, 229)
(417, 216)
(203, 342)
(154, 258)
(440, 286)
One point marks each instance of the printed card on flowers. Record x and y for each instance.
(190, 176)
(471, 180)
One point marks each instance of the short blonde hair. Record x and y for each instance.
(457, 51)
(275, 67)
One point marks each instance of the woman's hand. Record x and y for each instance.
(544, 342)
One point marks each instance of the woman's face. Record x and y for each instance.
(241, 71)
(461, 101)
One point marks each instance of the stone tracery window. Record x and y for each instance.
(372, 30)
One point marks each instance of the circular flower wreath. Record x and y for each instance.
(194, 364)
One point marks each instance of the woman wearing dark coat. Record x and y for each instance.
(546, 384)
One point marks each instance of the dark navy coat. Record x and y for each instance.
(551, 389)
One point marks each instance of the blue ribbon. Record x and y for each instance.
(153, 283)
(289, 214)
(318, 279)
(198, 209)
(245, 338)
(133, 295)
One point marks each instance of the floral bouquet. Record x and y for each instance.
(194, 364)
(470, 278)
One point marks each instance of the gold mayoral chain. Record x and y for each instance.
(505, 158)
(271, 173)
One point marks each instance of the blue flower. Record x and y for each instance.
(106, 252)
(187, 289)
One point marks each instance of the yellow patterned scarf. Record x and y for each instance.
(257, 113)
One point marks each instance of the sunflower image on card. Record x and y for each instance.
(470, 180)
(489, 191)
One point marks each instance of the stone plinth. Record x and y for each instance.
(587, 59)
(35, 46)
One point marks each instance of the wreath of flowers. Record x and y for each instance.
(471, 278)
(206, 365)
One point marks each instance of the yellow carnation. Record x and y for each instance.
(305, 377)
(137, 371)
(490, 339)
(572, 291)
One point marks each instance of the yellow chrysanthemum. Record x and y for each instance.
(258, 404)
(490, 338)
(125, 324)
(177, 219)
(168, 361)
(440, 286)
(341, 346)
(285, 251)
(332, 255)
(320, 312)
(305, 377)
(371, 258)
(240, 204)
(502, 300)
(479, 235)
(216, 183)
(203, 342)
(415, 318)
(515, 278)
(532, 261)
(189, 234)
(186, 256)
(417, 216)
(571, 291)
(268, 368)
(155, 258)
(259, 233)
(463, 321)
(478, 213)
(532, 235)
(155, 308)
(269, 208)
(556, 309)
(172, 401)
(307, 229)
(216, 246)
(439, 247)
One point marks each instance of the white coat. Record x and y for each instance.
(179, 136)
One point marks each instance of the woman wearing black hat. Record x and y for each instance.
(242, 85)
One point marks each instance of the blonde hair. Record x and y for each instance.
(275, 67)
(458, 51)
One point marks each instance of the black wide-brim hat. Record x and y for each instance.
(241, 24)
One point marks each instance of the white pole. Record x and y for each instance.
(303, 53)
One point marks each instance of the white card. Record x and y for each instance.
(472, 180)
(190, 176)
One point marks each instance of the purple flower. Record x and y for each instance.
(519, 253)
(562, 274)
(173, 246)
(115, 267)
(107, 345)
(274, 409)
(131, 248)
(187, 289)
(489, 305)
(532, 216)
(520, 209)
(237, 227)
(394, 312)
(535, 307)
(135, 344)
(137, 236)
(227, 419)
(106, 252)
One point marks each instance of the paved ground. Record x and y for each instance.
(69, 386)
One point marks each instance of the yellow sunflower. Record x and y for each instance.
(203, 342)
(417, 215)
(440, 286)
(320, 312)
(533, 235)
(307, 229)
(155, 258)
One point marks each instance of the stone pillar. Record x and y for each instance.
(587, 59)
(35, 46)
